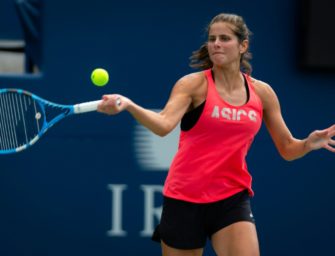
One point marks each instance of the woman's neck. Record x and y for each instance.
(230, 79)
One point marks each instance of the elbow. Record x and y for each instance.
(287, 158)
(161, 133)
(288, 155)
(291, 150)
(285, 154)
(164, 130)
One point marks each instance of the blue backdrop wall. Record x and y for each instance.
(92, 185)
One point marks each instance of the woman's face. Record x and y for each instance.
(223, 45)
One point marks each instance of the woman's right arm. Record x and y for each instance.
(160, 123)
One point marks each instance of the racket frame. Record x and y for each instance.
(65, 110)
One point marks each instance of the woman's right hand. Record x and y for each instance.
(113, 104)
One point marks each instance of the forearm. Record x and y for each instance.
(152, 120)
(294, 149)
(159, 123)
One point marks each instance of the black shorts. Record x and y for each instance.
(186, 225)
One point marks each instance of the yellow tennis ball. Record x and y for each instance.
(99, 77)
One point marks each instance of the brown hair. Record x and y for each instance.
(200, 58)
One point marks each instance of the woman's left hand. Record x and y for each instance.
(322, 139)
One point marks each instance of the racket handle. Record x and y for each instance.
(86, 107)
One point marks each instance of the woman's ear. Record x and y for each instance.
(244, 46)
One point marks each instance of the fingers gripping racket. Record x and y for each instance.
(25, 117)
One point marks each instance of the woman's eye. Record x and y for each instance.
(224, 38)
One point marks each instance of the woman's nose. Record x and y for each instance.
(217, 42)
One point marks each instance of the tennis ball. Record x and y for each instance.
(99, 77)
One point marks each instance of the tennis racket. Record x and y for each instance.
(25, 117)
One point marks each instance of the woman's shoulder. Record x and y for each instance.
(192, 81)
(193, 78)
(193, 85)
(262, 88)
(264, 91)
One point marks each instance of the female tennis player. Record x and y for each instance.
(208, 188)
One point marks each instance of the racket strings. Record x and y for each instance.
(20, 119)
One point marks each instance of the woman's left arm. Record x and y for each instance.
(289, 147)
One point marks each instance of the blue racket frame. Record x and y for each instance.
(65, 110)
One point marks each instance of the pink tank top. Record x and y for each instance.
(210, 163)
